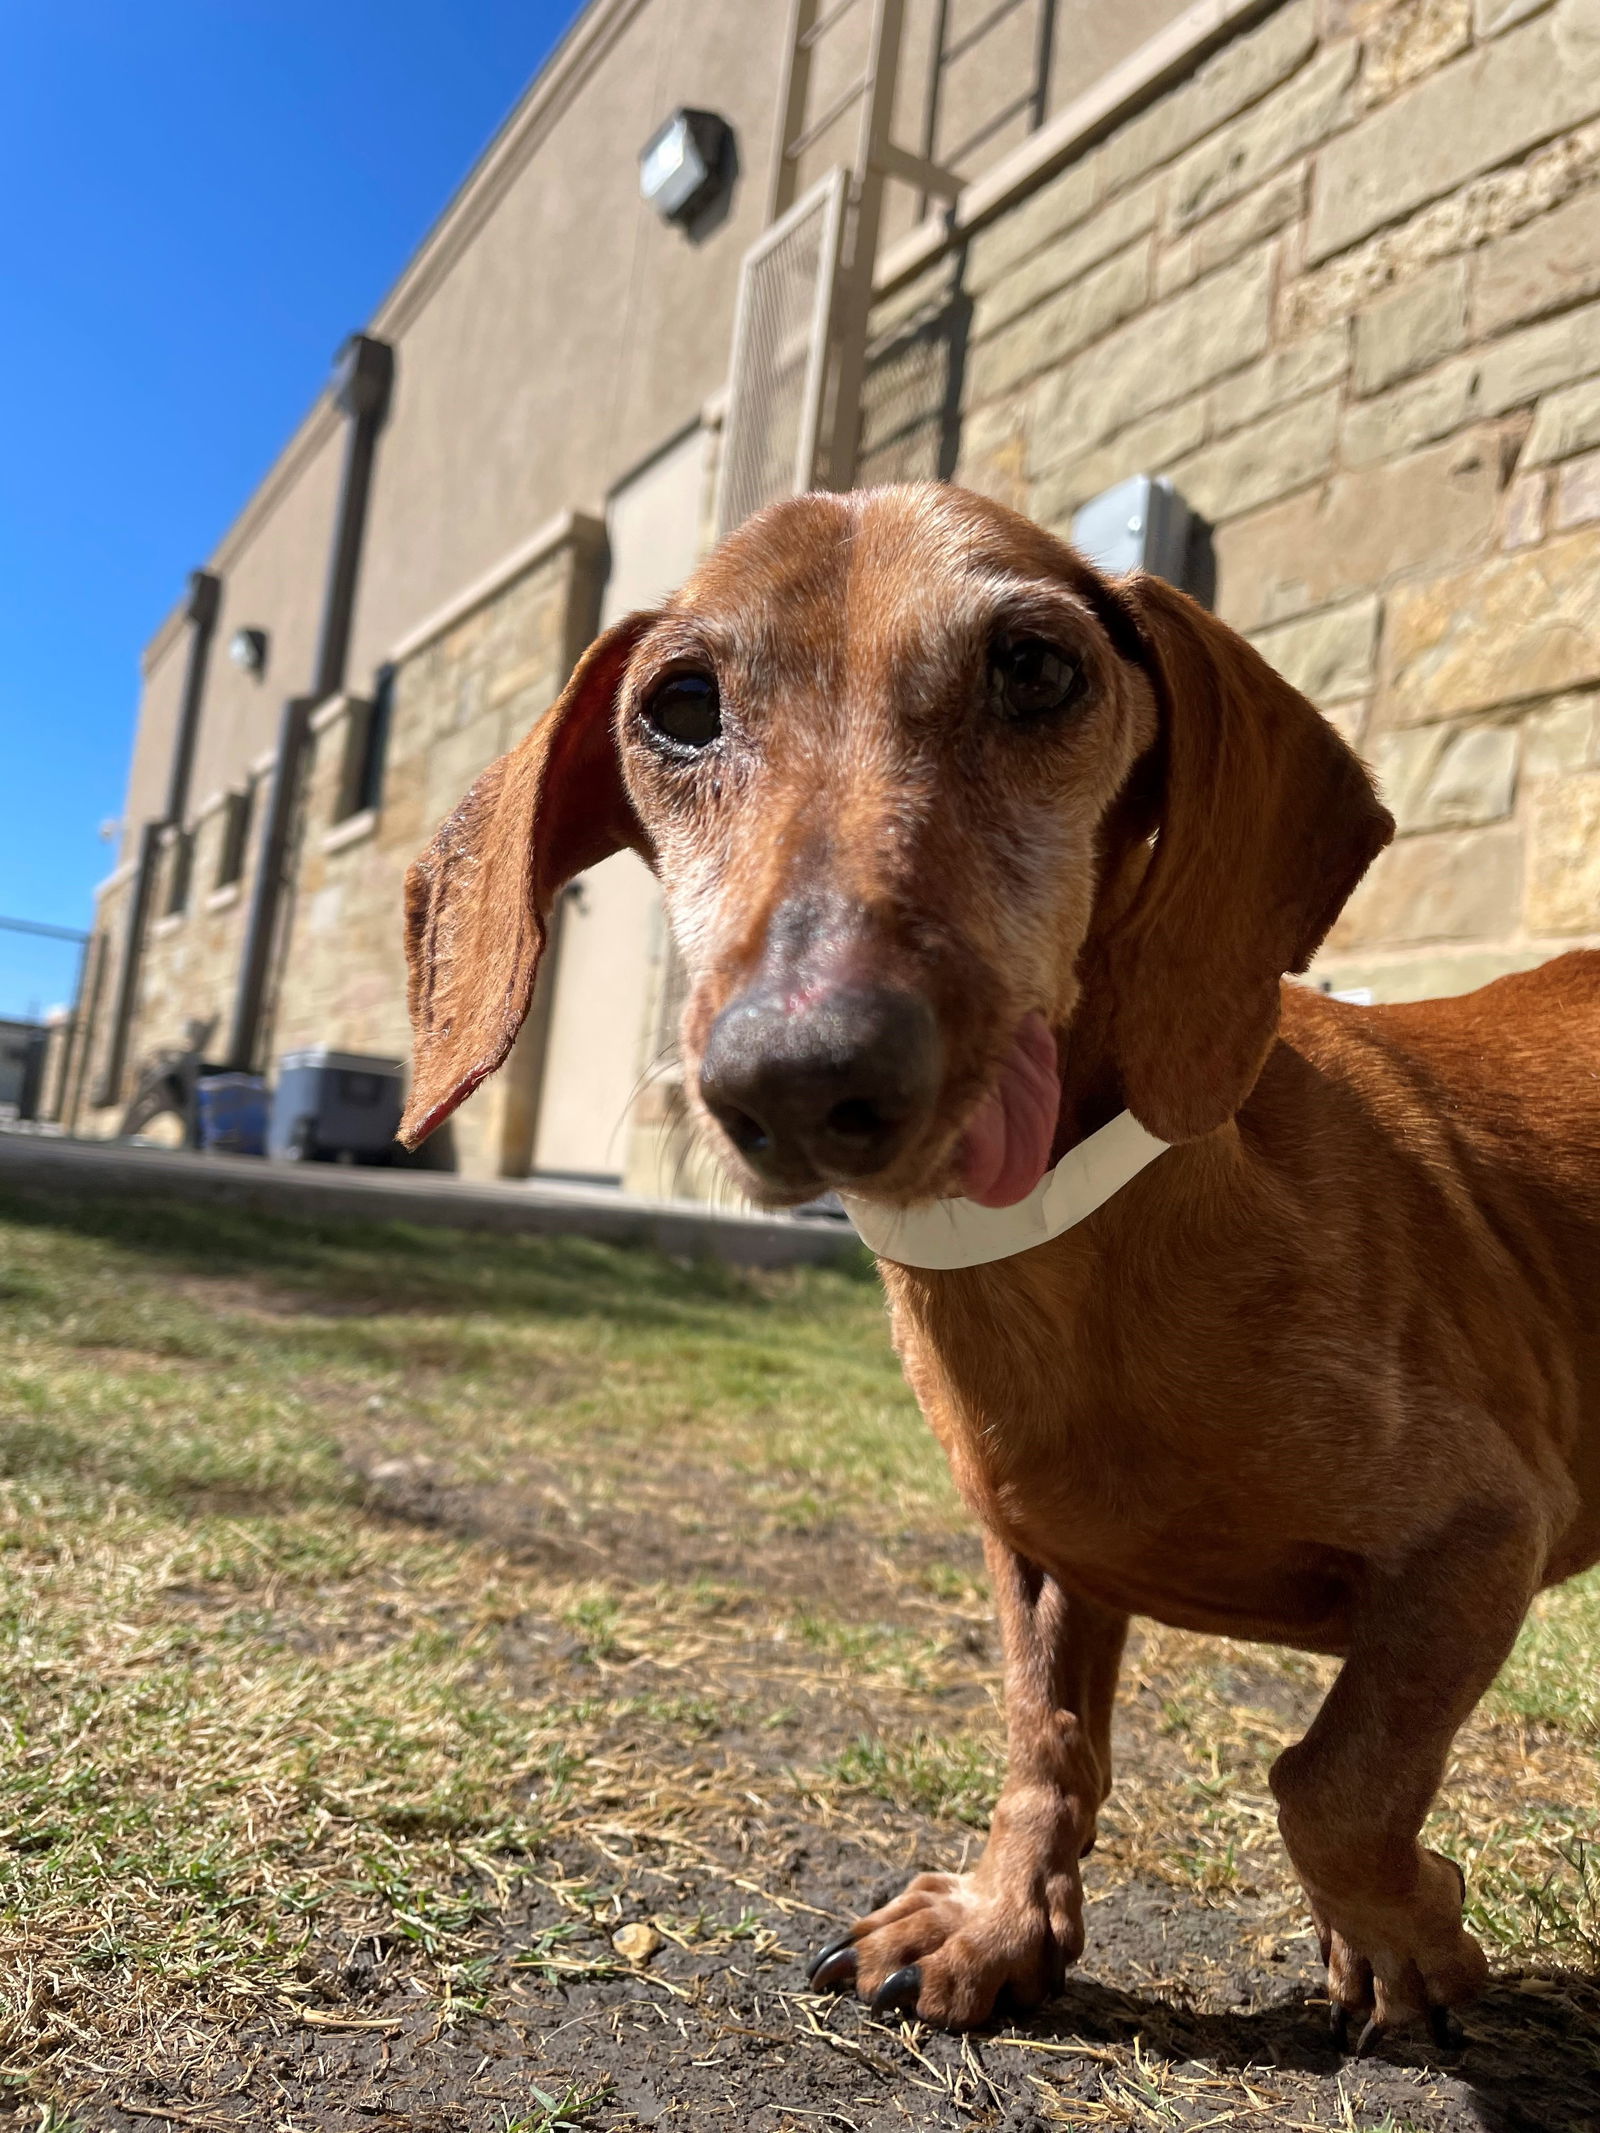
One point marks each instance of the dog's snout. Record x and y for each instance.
(826, 1090)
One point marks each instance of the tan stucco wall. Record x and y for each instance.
(275, 582)
(151, 764)
(577, 332)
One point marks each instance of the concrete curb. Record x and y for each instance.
(95, 1170)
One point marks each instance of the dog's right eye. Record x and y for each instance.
(685, 710)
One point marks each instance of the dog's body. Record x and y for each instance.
(967, 851)
(1245, 1377)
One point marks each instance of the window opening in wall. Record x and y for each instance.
(237, 810)
(369, 788)
(367, 748)
(180, 865)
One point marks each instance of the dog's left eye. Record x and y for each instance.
(1030, 678)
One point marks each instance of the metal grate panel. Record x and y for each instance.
(779, 374)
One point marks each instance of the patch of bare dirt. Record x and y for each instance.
(1175, 2020)
(1190, 2011)
(688, 1525)
(1187, 2012)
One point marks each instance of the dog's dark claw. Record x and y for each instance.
(1445, 2030)
(1370, 2036)
(898, 1994)
(833, 1966)
(822, 1954)
(1339, 2024)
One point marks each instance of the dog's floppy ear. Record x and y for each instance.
(1267, 822)
(478, 900)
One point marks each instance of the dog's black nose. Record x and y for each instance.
(825, 1090)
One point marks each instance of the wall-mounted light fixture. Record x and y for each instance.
(684, 163)
(247, 648)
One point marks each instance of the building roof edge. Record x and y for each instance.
(582, 47)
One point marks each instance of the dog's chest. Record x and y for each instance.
(1160, 1505)
(1133, 1519)
(1033, 1403)
(1030, 1439)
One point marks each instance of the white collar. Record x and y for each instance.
(946, 1234)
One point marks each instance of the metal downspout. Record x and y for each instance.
(205, 598)
(205, 594)
(363, 381)
(85, 1013)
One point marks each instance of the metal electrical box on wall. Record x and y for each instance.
(1141, 524)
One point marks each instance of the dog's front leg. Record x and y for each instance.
(948, 1945)
(1428, 1637)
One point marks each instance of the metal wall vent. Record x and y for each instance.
(778, 377)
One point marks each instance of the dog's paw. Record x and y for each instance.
(946, 1948)
(1395, 1962)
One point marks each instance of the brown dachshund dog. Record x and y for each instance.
(968, 851)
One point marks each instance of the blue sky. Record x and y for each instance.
(202, 197)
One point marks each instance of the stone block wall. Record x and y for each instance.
(461, 698)
(1342, 284)
(189, 969)
(111, 908)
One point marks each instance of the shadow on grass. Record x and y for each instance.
(396, 1268)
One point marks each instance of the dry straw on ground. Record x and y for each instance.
(451, 1682)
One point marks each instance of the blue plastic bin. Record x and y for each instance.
(232, 1111)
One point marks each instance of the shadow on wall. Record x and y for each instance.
(720, 206)
(916, 362)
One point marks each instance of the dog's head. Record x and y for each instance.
(929, 801)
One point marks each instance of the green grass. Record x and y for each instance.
(956, 1779)
(529, 1345)
(238, 1700)
(1553, 1677)
(569, 2112)
(286, 1656)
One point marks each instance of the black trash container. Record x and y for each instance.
(335, 1107)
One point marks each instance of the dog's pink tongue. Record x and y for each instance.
(1005, 1150)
